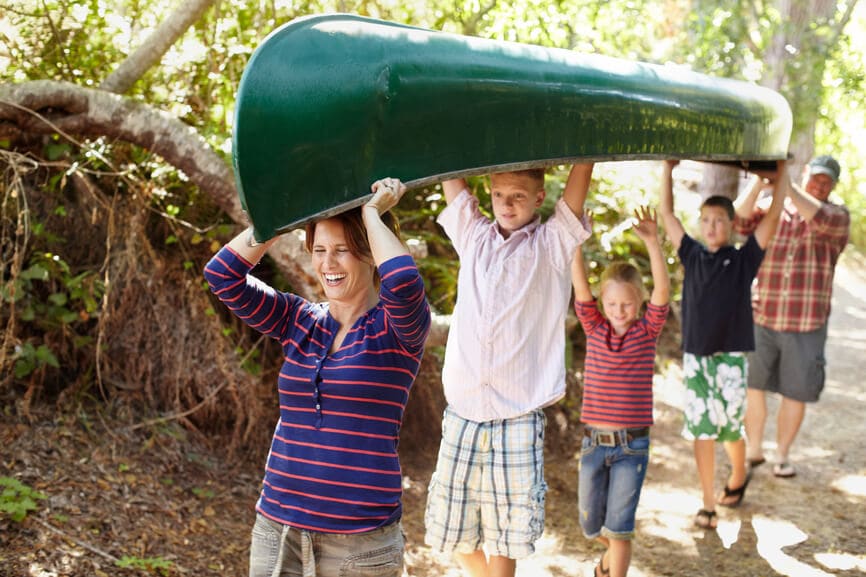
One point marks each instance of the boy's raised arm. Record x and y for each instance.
(767, 227)
(745, 204)
(577, 187)
(673, 226)
(452, 187)
(647, 229)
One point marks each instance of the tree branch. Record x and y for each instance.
(45, 107)
(157, 44)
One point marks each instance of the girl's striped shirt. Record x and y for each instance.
(618, 370)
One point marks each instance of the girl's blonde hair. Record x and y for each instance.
(625, 273)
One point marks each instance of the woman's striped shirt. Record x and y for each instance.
(333, 464)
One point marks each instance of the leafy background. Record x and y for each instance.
(106, 322)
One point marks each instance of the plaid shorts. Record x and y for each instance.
(715, 396)
(488, 489)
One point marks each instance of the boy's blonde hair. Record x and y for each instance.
(627, 273)
(534, 175)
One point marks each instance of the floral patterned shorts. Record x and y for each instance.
(715, 396)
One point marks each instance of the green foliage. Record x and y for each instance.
(841, 129)
(156, 565)
(250, 361)
(18, 499)
(203, 494)
(56, 300)
(50, 297)
(613, 199)
(30, 358)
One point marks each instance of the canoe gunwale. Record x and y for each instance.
(767, 163)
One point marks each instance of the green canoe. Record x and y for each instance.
(327, 104)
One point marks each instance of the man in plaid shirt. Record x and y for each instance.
(791, 303)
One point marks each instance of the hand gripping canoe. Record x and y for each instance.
(327, 104)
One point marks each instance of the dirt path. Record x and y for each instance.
(809, 526)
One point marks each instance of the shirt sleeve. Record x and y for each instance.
(687, 246)
(655, 318)
(460, 218)
(252, 301)
(565, 233)
(832, 222)
(588, 314)
(754, 255)
(405, 302)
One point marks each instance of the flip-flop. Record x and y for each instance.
(784, 470)
(600, 571)
(737, 493)
(706, 519)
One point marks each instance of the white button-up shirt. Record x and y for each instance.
(506, 346)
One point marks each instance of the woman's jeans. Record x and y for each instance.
(279, 550)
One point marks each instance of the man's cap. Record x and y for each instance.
(825, 164)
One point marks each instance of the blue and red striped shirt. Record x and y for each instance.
(333, 465)
(618, 369)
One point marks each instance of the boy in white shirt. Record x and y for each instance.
(504, 362)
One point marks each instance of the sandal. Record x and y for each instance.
(752, 463)
(706, 519)
(600, 571)
(784, 470)
(737, 493)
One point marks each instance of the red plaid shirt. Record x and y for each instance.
(795, 281)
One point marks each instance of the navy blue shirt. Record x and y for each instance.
(717, 307)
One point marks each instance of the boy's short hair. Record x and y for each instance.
(624, 272)
(536, 175)
(720, 202)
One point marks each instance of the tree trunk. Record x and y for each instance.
(719, 180)
(796, 63)
(157, 44)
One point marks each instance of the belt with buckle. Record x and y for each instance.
(614, 438)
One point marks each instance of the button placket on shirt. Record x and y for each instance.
(316, 379)
(487, 317)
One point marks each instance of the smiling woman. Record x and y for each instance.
(346, 235)
(333, 472)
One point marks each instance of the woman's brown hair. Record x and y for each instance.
(356, 234)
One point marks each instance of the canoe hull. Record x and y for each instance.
(328, 104)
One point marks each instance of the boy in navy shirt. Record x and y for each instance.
(717, 331)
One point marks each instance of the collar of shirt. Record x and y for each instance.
(525, 230)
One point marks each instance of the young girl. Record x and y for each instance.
(617, 396)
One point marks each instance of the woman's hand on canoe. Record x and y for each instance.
(387, 192)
